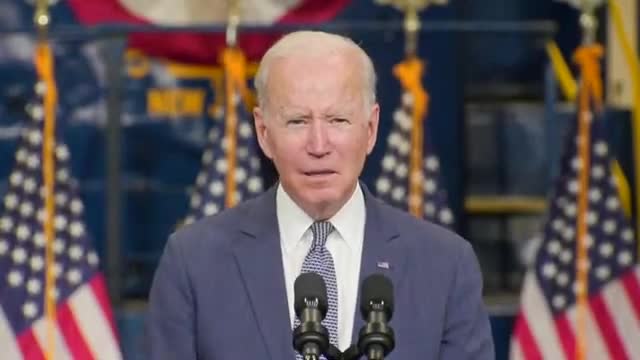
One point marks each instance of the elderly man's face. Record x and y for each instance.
(317, 129)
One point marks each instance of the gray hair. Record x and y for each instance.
(314, 43)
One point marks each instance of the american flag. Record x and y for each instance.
(84, 327)
(393, 183)
(546, 327)
(208, 196)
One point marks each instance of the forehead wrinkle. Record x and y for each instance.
(340, 94)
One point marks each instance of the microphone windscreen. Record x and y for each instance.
(376, 289)
(310, 286)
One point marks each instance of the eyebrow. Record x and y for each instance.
(341, 114)
(302, 114)
(297, 115)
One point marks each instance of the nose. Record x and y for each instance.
(318, 140)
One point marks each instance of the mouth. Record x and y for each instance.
(319, 173)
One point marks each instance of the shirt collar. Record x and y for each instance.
(294, 222)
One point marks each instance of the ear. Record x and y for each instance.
(262, 132)
(372, 128)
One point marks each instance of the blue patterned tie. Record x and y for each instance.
(319, 261)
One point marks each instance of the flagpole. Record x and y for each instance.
(410, 72)
(234, 65)
(587, 56)
(44, 63)
(413, 83)
(420, 105)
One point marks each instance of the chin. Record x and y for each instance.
(321, 202)
(321, 197)
(329, 200)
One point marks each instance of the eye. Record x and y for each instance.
(340, 121)
(295, 122)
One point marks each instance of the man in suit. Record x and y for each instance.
(224, 286)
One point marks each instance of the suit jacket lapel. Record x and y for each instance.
(259, 259)
(380, 253)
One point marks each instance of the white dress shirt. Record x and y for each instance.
(344, 244)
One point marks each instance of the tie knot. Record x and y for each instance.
(321, 230)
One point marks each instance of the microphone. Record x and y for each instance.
(376, 338)
(310, 338)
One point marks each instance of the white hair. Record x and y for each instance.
(315, 43)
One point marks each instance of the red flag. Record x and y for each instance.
(198, 47)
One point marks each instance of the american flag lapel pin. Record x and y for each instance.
(383, 265)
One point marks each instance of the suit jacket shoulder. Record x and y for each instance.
(422, 235)
(437, 284)
(216, 233)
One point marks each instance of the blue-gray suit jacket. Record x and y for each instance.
(219, 292)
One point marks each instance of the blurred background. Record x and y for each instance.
(142, 107)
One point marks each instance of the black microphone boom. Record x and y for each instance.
(376, 338)
(310, 339)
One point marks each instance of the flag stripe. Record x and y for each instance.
(93, 324)
(526, 344)
(100, 292)
(595, 347)
(515, 353)
(628, 327)
(29, 346)
(567, 338)
(311, 11)
(9, 346)
(539, 319)
(607, 328)
(198, 47)
(630, 282)
(91, 12)
(40, 333)
(72, 334)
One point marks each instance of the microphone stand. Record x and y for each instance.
(333, 353)
(352, 353)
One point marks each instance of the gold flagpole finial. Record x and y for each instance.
(412, 25)
(41, 18)
(588, 19)
(233, 21)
